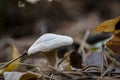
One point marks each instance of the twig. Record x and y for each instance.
(67, 55)
(78, 40)
(11, 61)
(108, 69)
(91, 68)
(82, 46)
(74, 73)
(48, 77)
(61, 73)
(102, 55)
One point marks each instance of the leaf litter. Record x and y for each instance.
(99, 64)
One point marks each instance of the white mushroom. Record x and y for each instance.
(48, 44)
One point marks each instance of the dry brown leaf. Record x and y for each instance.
(109, 26)
(114, 44)
(20, 76)
(113, 26)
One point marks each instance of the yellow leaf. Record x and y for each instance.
(113, 26)
(14, 65)
(109, 26)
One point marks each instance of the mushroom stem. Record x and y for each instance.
(52, 57)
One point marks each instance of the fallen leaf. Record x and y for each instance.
(114, 44)
(76, 60)
(112, 25)
(20, 76)
(14, 65)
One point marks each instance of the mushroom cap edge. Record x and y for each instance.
(48, 42)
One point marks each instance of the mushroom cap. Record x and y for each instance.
(48, 42)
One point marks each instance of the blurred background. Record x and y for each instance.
(26, 20)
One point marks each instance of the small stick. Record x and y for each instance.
(102, 55)
(67, 55)
(57, 72)
(92, 67)
(82, 45)
(11, 61)
(108, 69)
(83, 41)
